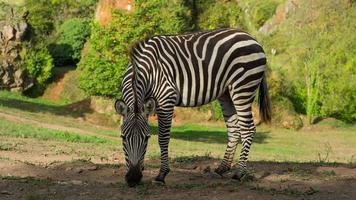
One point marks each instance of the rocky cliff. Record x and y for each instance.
(104, 8)
(13, 30)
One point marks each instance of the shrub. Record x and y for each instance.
(45, 15)
(262, 11)
(72, 35)
(102, 67)
(284, 115)
(218, 14)
(215, 109)
(39, 64)
(40, 17)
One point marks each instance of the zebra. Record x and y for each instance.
(191, 70)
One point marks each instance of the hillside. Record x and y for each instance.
(307, 81)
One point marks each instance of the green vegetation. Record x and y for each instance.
(70, 91)
(43, 110)
(192, 142)
(39, 64)
(13, 129)
(208, 18)
(102, 67)
(315, 57)
(73, 34)
(310, 50)
(46, 15)
(324, 143)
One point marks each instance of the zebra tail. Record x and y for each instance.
(264, 101)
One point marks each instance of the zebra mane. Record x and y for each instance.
(135, 48)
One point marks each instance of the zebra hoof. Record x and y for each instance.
(238, 176)
(159, 182)
(221, 170)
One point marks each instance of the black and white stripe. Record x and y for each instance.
(192, 70)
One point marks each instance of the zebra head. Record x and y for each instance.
(135, 135)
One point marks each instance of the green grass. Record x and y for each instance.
(47, 111)
(190, 143)
(334, 145)
(323, 144)
(12, 129)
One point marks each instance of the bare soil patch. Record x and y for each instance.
(33, 169)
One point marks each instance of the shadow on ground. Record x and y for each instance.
(208, 136)
(78, 109)
(86, 180)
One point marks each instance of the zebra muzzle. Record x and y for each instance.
(133, 176)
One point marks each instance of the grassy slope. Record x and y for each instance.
(46, 111)
(13, 129)
(324, 144)
(14, 2)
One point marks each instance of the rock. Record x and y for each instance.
(265, 29)
(21, 29)
(77, 182)
(282, 13)
(9, 32)
(12, 34)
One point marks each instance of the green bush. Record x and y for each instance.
(101, 69)
(40, 17)
(215, 109)
(39, 64)
(218, 14)
(46, 15)
(262, 11)
(72, 35)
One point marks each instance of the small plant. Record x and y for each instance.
(310, 191)
(352, 161)
(329, 173)
(324, 157)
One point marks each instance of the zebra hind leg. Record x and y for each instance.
(247, 130)
(230, 118)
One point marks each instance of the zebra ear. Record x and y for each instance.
(150, 106)
(120, 107)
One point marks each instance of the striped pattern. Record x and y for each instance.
(192, 70)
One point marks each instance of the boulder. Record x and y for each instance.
(21, 30)
(13, 76)
(8, 31)
(282, 13)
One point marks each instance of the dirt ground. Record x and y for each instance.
(35, 170)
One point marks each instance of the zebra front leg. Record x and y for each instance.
(230, 118)
(164, 125)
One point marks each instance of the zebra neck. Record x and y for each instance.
(139, 84)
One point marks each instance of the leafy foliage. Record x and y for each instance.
(45, 15)
(102, 68)
(39, 64)
(317, 51)
(40, 17)
(73, 34)
(262, 10)
(214, 14)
